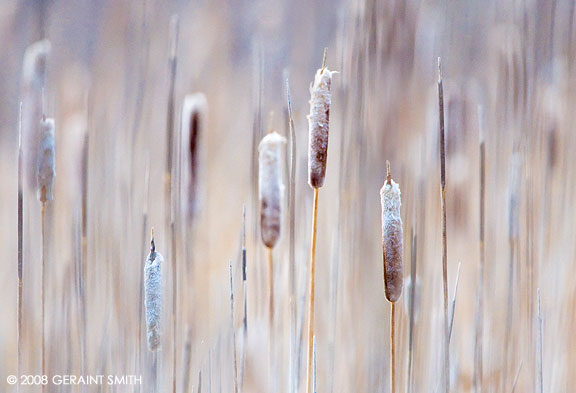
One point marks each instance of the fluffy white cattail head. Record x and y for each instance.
(270, 187)
(193, 122)
(45, 170)
(153, 296)
(318, 127)
(392, 248)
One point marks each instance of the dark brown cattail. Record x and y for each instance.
(153, 296)
(318, 127)
(270, 187)
(193, 120)
(46, 161)
(392, 238)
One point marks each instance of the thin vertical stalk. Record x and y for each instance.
(392, 349)
(20, 246)
(292, 232)
(311, 298)
(479, 342)
(271, 286)
(43, 293)
(444, 240)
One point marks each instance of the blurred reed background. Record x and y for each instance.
(509, 80)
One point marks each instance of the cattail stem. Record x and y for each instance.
(444, 241)
(311, 297)
(271, 286)
(392, 349)
(20, 246)
(43, 294)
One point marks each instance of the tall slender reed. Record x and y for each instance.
(479, 341)
(20, 245)
(392, 253)
(45, 176)
(169, 201)
(233, 329)
(318, 127)
(540, 379)
(292, 230)
(444, 240)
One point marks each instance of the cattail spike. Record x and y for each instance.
(392, 239)
(318, 126)
(270, 187)
(46, 161)
(153, 295)
(193, 122)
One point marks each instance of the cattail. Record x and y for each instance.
(193, 120)
(392, 238)
(33, 81)
(153, 296)
(34, 67)
(46, 161)
(318, 126)
(270, 187)
(392, 253)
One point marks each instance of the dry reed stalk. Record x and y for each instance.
(392, 253)
(20, 246)
(453, 306)
(479, 341)
(193, 123)
(318, 127)
(245, 288)
(233, 329)
(153, 299)
(444, 240)
(45, 173)
(292, 230)
(540, 383)
(169, 201)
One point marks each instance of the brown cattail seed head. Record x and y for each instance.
(392, 239)
(153, 297)
(318, 127)
(46, 161)
(193, 120)
(270, 187)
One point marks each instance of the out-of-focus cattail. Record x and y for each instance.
(270, 187)
(34, 67)
(193, 122)
(318, 127)
(392, 238)
(153, 296)
(46, 161)
(33, 81)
